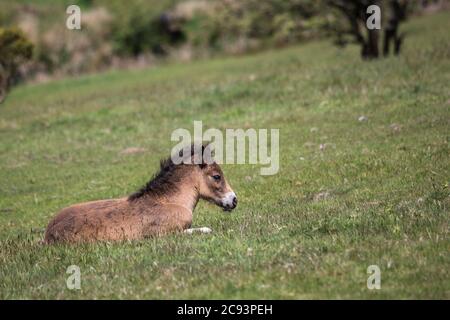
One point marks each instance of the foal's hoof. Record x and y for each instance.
(205, 230)
(199, 230)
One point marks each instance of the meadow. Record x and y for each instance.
(349, 193)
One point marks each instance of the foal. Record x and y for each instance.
(164, 205)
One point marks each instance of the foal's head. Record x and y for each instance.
(212, 185)
(215, 188)
(205, 177)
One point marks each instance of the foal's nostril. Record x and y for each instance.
(234, 202)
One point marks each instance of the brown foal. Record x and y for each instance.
(164, 205)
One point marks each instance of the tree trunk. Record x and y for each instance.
(398, 45)
(3, 84)
(388, 38)
(398, 14)
(370, 48)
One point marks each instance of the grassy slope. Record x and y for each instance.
(388, 204)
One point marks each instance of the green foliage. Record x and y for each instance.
(271, 22)
(14, 50)
(139, 25)
(118, 31)
(14, 47)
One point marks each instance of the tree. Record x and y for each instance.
(15, 49)
(398, 14)
(354, 14)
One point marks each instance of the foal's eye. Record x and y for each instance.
(216, 177)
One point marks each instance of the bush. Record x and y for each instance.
(241, 25)
(141, 26)
(15, 49)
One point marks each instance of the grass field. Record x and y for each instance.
(377, 194)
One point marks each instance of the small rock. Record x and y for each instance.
(248, 178)
(395, 127)
(324, 146)
(289, 266)
(362, 118)
(314, 129)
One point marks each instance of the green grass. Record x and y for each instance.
(388, 200)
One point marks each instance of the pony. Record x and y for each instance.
(164, 205)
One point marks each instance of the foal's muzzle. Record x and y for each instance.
(229, 202)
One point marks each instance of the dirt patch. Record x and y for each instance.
(323, 195)
(132, 150)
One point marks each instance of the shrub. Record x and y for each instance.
(15, 49)
(246, 24)
(142, 26)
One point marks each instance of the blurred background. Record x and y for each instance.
(35, 44)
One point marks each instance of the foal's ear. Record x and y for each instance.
(198, 155)
(197, 159)
(195, 153)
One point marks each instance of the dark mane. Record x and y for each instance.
(165, 181)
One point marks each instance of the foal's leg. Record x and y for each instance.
(199, 230)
